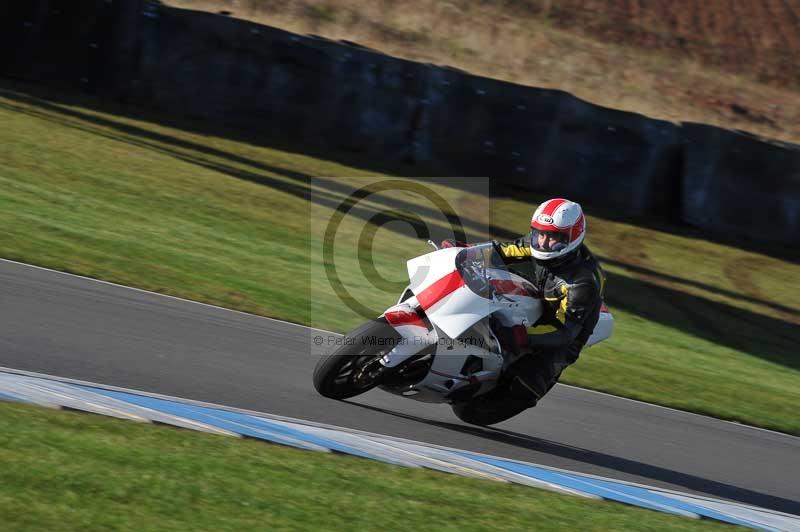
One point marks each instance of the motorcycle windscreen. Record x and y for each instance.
(426, 269)
(443, 295)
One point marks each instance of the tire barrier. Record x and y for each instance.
(737, 183)
(311, 90)
(65, 42)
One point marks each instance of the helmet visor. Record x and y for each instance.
(548, 241)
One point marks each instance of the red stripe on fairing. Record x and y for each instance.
(404, 317)
(514, 288)
(604, 308)
(440, 289)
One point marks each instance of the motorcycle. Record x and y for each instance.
(439, 343)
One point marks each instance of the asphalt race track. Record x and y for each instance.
(73, 327)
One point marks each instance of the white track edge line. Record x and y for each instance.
(354, 432)
(741, 425)
(663, 491)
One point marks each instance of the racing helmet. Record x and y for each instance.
(558, 227)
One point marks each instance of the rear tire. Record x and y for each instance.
(487, 411)
(354, 367)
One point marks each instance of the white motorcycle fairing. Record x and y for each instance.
(444, 348)
(453, 309)
(451, 294)
(443, 294)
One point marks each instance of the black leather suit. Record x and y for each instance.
(572, 287)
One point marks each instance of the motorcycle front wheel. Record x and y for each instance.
(354, 367)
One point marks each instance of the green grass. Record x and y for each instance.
(72, 471)
(701, 326)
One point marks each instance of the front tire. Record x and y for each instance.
(354, 367)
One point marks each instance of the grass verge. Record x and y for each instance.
(700, 325)
(72, 471)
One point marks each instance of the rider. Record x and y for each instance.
(555, 259)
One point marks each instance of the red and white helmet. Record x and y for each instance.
(558, 227)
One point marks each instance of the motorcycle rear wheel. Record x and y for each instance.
(354, 367)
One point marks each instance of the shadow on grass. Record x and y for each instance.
(43, 94)
(758, 335)
(616, 463)
(770, 338)
(641, 270)
(303, 186)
